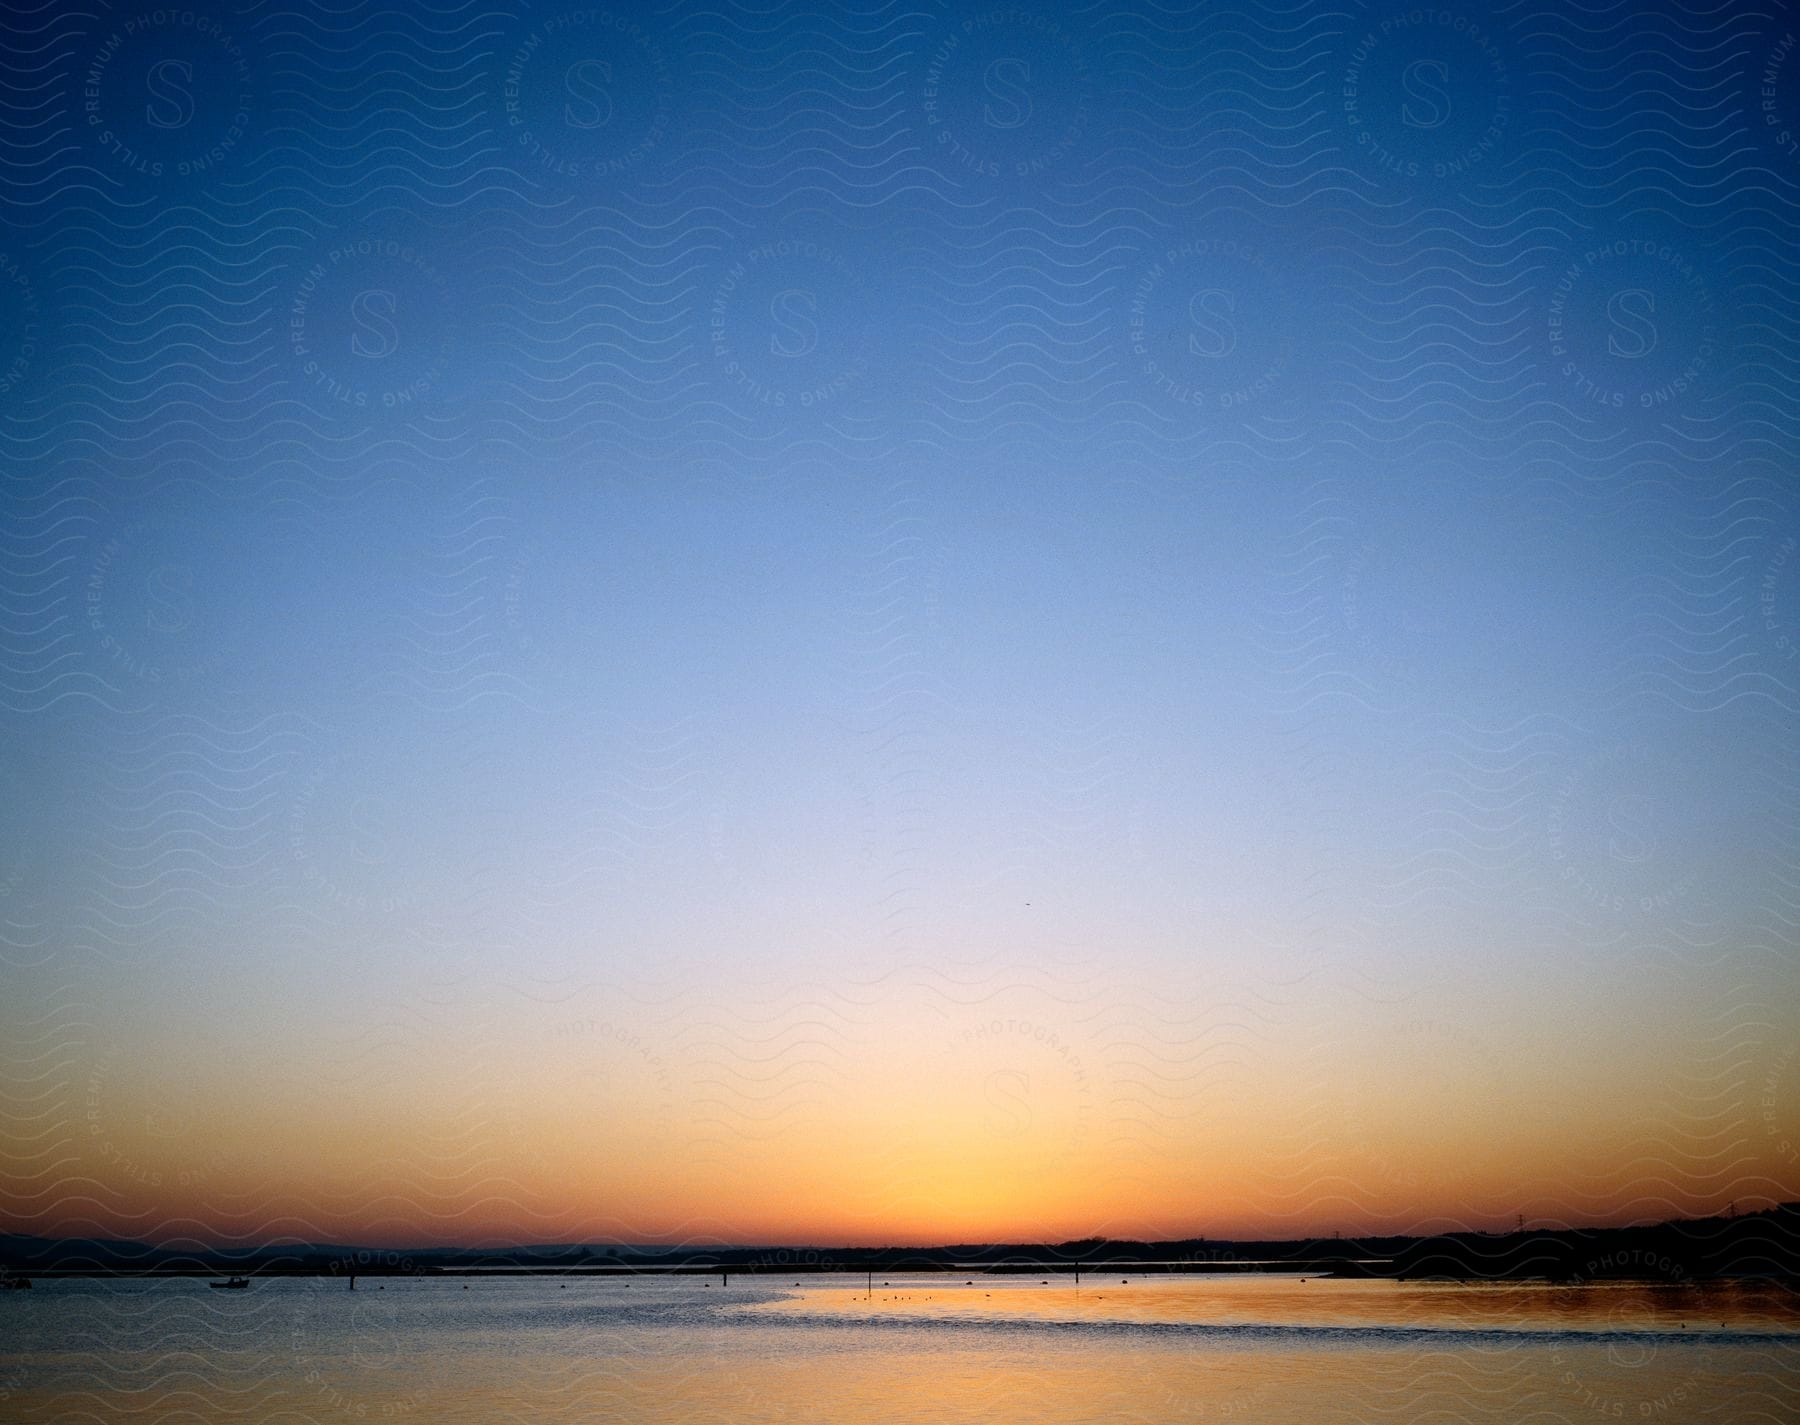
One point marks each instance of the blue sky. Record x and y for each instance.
(664, 512)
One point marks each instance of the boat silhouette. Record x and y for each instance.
(234, 1282)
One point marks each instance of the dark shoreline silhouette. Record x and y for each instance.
(1683, 1252)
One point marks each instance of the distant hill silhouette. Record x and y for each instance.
(1760, 1244)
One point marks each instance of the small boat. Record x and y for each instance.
(234, 1282)
(15, 1283)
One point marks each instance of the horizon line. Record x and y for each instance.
(1523, 1229)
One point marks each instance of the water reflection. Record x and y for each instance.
(912, 1349)
(1309, 1302)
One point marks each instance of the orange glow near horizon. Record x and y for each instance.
(924, 1128)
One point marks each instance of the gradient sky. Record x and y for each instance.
(896, 623)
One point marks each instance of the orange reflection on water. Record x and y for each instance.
(1253, 1300)
(917, 1350)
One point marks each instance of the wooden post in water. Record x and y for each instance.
(724, 1277)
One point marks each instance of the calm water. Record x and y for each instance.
(916, 1349)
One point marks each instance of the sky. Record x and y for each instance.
(896, 623)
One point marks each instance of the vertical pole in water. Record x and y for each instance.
(353, 1281)
(871, 1282)
(724, 1277)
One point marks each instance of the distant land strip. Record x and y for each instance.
(1756, 1245)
